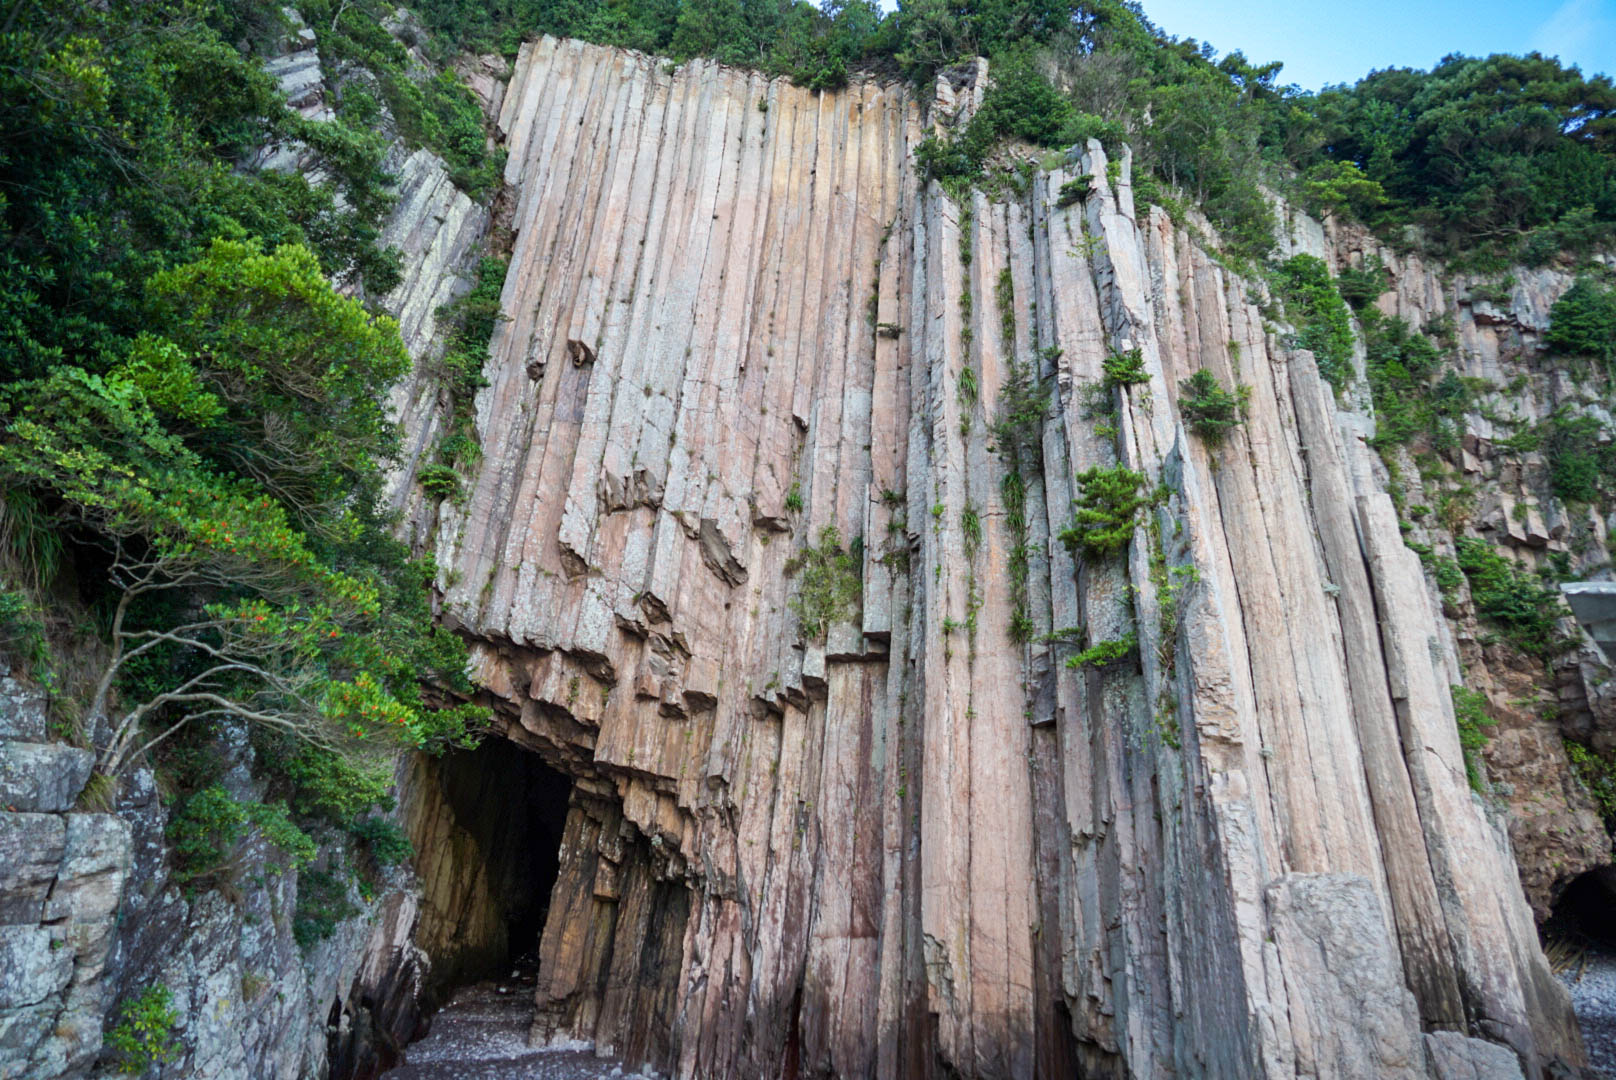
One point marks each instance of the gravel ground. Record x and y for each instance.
(1592, 982)
(482, 1035)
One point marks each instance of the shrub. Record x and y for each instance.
(1362, 285)
(1581, 466)
(1125, 369)
(1525, 610)
(1106, 511)
(439, 481)
(386, 841)
(207, 832)
(831, 585)
(1103, 653)
(1074, 190)
(144, 1035)
(1583, 322)
(322, 903)
(1209, 410)
(1314, 304)
(1399, 363)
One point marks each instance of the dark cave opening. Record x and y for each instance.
(1585, 913)
(488, 858)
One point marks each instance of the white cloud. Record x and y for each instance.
(1576, 31)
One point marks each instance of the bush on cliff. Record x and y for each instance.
(1106, 511)
(1209, 410)
(1583, 322)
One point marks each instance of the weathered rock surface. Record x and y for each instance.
(914, 846)
(62, 875)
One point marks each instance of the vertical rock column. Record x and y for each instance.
(743, 557)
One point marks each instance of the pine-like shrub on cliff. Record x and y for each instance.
(1106, 511)
(1209, 410)
(1527, 612)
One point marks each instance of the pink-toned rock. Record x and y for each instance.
(915, 845)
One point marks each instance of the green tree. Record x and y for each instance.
(297, 610)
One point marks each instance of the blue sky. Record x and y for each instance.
(1331, 41)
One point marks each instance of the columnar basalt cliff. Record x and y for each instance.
(757, 555)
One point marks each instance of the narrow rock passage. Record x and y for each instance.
(482, 1035)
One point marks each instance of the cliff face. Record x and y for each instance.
(829, 814)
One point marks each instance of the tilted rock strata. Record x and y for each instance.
(912, 846)
(1555, 831)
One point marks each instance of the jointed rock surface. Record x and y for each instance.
(914, 845)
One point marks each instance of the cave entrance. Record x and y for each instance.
(1582, 915)
(488, 855)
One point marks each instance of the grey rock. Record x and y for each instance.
(42, 777)
(30, 853)
(33, 965)
(1455, 1057)
(22, 711)
(1350, 1012)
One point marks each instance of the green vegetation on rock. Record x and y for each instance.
(1470, 715)
(1106, 511)
(1323, 324)
(830, 582)
(192, 431)
(1527, 611)
(1582, 322)
(144, 1035)
(1209, 410)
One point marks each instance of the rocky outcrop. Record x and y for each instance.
(1503, 495)
(752, 528)
(62, 875)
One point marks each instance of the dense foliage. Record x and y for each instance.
(1527, 611)
(1515, 153)
(1209, 410)
(145, 1034)
(192, 436)
(1582, 323)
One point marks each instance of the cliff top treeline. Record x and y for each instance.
(1514, 154)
